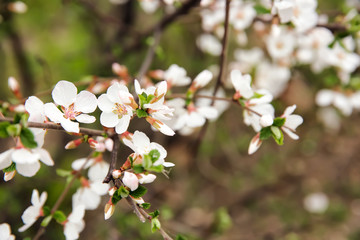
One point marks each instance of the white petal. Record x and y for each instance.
(266, 120)
(113, 93)
(5, 231)
(72, 230)
(138, 89)
(130, 180)
(161, 149)
(85, 102)
(289, 110)
(45, 157)
(254, 144)
(105, 104)
(168, 164)
(88, 198)
(208, 112)
(64, 93)
(5, 159)
(293, 121)
(123, 124)
(34, 105)
(99, 188)
(53, 113)
(28, 170)
(84, 118)
(24, 156)
(290, 133)
(69, 125)
(35, 198)
(324, 97)
(195, 120)
(147, 178)
(109, 119)
(77, 214)
(165, 129)
(77, 164)
(203, 78)
(141, 142)
(161, 88)
(98, 171)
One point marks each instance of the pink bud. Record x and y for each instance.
(9, 175)
(109, 210)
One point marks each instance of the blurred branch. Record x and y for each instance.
(61, 198)
(114, 155)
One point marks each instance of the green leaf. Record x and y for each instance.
(142, 99)
(265, 133)
(279, 122)
(261, 9)
(46, 221)
(10, 168)
(138, 168)
(46, 210)
(223, 220)
(141, 113)
(158, 168)
(154, 155)
(139, 192)
(123, 192)
(279, 139)
(180, 237)
(131, 159)
(14, 130)
(17, 118)
(3, 131)
(155, 214)
(59, 216)
(145, 205)
(27, 138)
(63, 173)
(147, 163)
(276, 132)
(155, 225)
(116, 197)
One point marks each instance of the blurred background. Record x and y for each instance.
(216, 191)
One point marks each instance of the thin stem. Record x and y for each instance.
(136, 209)
(52, 126)
(61, 198)
(114, 155)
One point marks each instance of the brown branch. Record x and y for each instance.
(52, 126)
(114, 155)
(61, 198)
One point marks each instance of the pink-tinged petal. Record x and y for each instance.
(98, 171)
(45, 157)
(53, 113)
(85, 102)
(24, 156)
(109, 119)
(147, 178)
(141, 142)
(168, 164)
(100, 188)
(255, 144)
(5, 159)
(289, 110)
(123, 124)
(70, 126)
(79, 163)
(84, 118)
(164, 129)
(130, 180)
(87, 197)
(105, 104)
(34, 105)
(9, 175)
(109, 144)
(290, 133)
(64, 93)
(293, 121)
(28, 170)
(202, 79)
(208, 112)
(195, 120)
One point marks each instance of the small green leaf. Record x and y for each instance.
(131, 159)
(10, 168)
(138, 168)
(279, 139)
(116, 197)
(139, 192)
(123, 192)
(276, 132)
(46, 210)
(147, 163)
(27, 138)
(63, 173)
(141, 113)
(154, 155)
(59, 216)
(155, 225)
(17, 118)
(3, 131)
(261, 9)
(14, 130)
(279, 122)
(155, 214)
(265, 133)
(145, 205)
(46, 221)
(180, 237)
(158, 168)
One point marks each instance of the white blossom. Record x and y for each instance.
(5, 232)
(130, 180)
(316, 202)
(176, 76)
(75, 224)
(292, 121)
(210, 44)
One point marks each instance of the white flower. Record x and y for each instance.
(75, 223)
(210, 44)
(5, 232)
(345, 104)
(242, 84)
(292, 121)
(130, 180)
(242, 16)
(176, 76)
(202, 79)
(89, 195)
(17, 7)
(147, 178)
(32, 213)
(316, 202)
(280, 43)
(74, 106)
(248, 58)
(117, 107)
(35, 107)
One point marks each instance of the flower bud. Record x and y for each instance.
(14, 87)
(74, 143)
(109, 210)
(9, 175)
(147, 178)
(116, 174)
(266, 120)
(17, 7)
(254, 144)
(201, 80)
(112, 191)
(93, 144)
(130, 180)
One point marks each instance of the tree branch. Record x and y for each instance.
(114, 155)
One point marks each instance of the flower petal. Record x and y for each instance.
(141, 142)
(109, 119)
(87, 197)
(85, 118)
(45, 157)
(24, 156)
(5, 159)
(34, 105)
(85, 102)
(77, 164)
(53, 113)
(69, 125)
(105, 104)
(195, 120)
(123, 124)
(64, 93)
(28, 170)
(208, 112)
(98, 171)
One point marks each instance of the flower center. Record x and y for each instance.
(70, 113)
(120, 110)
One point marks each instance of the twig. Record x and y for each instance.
(57, 204)
(52, 126)
(114, 155)
(135, 209)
